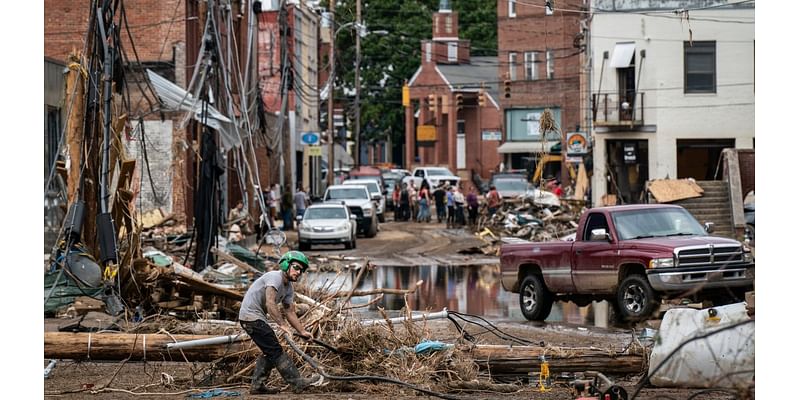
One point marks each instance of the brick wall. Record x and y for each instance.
(158, 143)
(154, 24)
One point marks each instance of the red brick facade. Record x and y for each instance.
(156, 25)
(531, 30)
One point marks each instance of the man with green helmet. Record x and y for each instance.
(263, 297)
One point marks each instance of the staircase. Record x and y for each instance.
(714, 206)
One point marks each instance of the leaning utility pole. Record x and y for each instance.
(332, 80)
(357, 127)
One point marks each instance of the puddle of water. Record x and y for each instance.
(471, 290)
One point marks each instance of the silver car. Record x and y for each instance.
(326, 223)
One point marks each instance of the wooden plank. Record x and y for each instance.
(582, 182)
(74, 132)
(523, 359)
(669, 190)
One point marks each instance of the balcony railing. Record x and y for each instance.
(611, 109)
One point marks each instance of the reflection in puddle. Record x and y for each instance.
(470, 290)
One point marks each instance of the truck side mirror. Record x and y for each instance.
(599, 235)
(709, 227)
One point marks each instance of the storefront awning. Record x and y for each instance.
(526, 147)
(623, 52)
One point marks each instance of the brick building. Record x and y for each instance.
(539, 66)
(452, 112)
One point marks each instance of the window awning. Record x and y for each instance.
(623, 52)
(526, 147)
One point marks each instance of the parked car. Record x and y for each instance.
(632, 256)
(375, 193)
(327, 223)
(360, 203)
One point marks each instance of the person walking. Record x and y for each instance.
(301, 201)
(451, 207)
(424, 214)
(458, 199)
(287, 207)
(413, 200)
(439, 195)
(396, 201)
(272, 294)
(493, 200)
(404, 203)
(472, 206)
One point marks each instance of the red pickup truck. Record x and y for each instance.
(633, 256)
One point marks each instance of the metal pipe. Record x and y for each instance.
(208, 341)
(419, 317)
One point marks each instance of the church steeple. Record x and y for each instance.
(445, 22)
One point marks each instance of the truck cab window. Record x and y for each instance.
(594, 221)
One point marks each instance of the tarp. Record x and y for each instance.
(177, 99)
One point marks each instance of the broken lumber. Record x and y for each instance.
(357, 293)
(235, 261)
(120, 346)
(514, 360)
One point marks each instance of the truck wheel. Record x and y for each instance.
(636, 300)
(373, 228)
(535, 300)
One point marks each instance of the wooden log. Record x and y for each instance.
(502, 359)
(119, 346)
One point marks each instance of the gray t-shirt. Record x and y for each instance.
(254, 306)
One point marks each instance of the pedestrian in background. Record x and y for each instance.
(424, 214)
(458, 199)
(472, 206)
(396, 201)
(286, 207)
(413, 200)
(405, 203)
(493, 200)
(451, 207)
(301, 201)
(439, 195)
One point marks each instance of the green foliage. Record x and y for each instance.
(387, 61)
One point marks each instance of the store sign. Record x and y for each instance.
(577, 144)
(629, 153)
(491, 135)
(426, 133)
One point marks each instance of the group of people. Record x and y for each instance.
(450, 203)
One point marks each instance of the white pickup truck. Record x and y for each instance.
(434, 176)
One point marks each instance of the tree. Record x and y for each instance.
(387, 61)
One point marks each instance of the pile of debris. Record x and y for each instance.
(528, 218)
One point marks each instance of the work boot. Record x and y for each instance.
(258, 385)
(291, 375)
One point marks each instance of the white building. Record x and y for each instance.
(668, 92)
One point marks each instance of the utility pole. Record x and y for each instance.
(357, 130)
(332, 79)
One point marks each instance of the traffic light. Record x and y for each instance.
(481, 98)
(459, 101)
(432, 103)
(507, 88)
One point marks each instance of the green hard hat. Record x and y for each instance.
(290, 256)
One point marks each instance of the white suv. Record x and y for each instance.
(375, 192)
(359, 201)
(434, 176)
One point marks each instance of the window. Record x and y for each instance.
(452, 51)
(700, 66)
(531, 72)
(551, 64)
(512, 66)
(512, 8)
(448, 24)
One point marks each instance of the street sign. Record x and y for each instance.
(310, 137)
(491, 135)
(314, 151)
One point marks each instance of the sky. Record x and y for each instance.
(776, 83)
